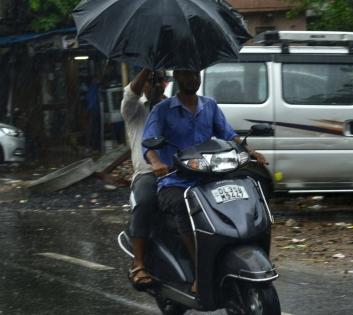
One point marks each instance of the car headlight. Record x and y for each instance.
(10, 132)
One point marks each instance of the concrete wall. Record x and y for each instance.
(258, 23)
(263, 15)
(259, 5)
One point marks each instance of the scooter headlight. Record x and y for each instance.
(196, 164)
(244, 158)
(222, 162)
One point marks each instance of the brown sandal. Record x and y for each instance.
(139, 281)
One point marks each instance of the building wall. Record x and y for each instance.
(260, 5)
(263, 15)
(258, 23)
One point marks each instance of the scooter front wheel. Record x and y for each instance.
(251, 299)
(169, 307)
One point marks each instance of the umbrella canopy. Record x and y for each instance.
(162, 34)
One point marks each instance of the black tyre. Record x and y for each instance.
(169, 307)
(251, 299)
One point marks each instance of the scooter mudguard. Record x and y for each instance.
(246, 263)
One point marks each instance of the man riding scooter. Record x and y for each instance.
(184, 120)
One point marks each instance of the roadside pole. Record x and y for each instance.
(124, 74)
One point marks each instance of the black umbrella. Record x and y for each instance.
(162, 34)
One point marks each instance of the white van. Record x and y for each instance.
(305, 92)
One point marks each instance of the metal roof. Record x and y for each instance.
(23, 38)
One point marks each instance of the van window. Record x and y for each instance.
(318, 84)
(237, 83)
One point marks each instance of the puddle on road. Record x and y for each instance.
(9, 193)
(13, 182)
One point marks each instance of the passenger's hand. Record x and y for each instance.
(259, 157)
(160, 169)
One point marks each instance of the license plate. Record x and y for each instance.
(229, 192)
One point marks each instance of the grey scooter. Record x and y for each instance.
(231, 223)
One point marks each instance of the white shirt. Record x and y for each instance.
(134, 110)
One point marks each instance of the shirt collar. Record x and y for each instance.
(175, 102)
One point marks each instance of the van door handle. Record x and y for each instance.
(243, 133)
(348, 128)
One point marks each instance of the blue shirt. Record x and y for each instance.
(174, 121)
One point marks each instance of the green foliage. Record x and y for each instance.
(46, 15)
(328, 15)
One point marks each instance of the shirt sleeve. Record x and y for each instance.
(222, 129)
(130, 104)
(153, 127)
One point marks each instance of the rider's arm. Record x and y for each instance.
(132, 93)
(225, 131)
(257, 155)
(158, 167)
(238, 140)
(139, 81)
(222, 129)
(153, 128)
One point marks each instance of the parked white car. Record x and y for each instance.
(12, 144)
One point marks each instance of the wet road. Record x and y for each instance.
(66, 261)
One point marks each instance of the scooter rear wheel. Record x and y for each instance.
(251, 299)
(169, 307)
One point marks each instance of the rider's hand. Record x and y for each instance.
(159, 169)
(259, 157)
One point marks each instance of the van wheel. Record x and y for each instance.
(251, 299)
(169, 307)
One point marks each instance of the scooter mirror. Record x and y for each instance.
(154, 143)
(259, 130)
